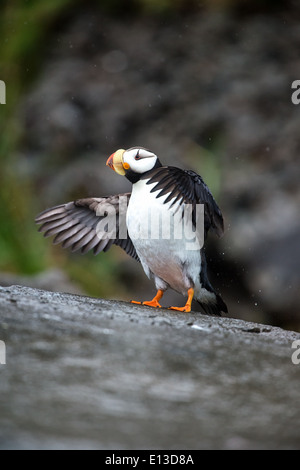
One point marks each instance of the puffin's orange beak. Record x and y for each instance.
(115, 162)
(110, 161)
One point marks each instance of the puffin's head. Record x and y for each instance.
(135, 160)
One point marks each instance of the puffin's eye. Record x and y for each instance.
(137, 157)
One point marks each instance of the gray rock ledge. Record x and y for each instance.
(87, 373)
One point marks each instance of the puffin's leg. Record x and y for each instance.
(154, 302)
(188, 305)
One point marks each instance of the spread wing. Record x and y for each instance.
(89, 224)
(187, 187)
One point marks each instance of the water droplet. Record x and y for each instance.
(114, 61)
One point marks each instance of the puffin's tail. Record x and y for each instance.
(214, 308)
(213, 304)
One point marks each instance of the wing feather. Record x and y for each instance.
(74, 224)
(187, 187)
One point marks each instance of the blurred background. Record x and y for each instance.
(205, 85)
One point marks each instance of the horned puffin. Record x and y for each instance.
(160, 194)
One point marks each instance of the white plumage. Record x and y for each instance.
(150, 220)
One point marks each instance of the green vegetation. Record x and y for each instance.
(23, 32)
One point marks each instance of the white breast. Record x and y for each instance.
(161, 241)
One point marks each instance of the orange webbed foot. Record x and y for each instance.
(186, 308)
(152, 303)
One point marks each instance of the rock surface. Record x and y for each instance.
(87, 373)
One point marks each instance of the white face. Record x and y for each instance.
(139, 159)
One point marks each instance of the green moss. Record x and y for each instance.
(23, 32)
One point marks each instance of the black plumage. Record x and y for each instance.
(187, 187)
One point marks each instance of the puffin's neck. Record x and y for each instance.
(134, 177)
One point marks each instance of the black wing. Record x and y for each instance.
(89, 224)
(187, 187)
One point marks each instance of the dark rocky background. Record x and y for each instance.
(205, 87)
